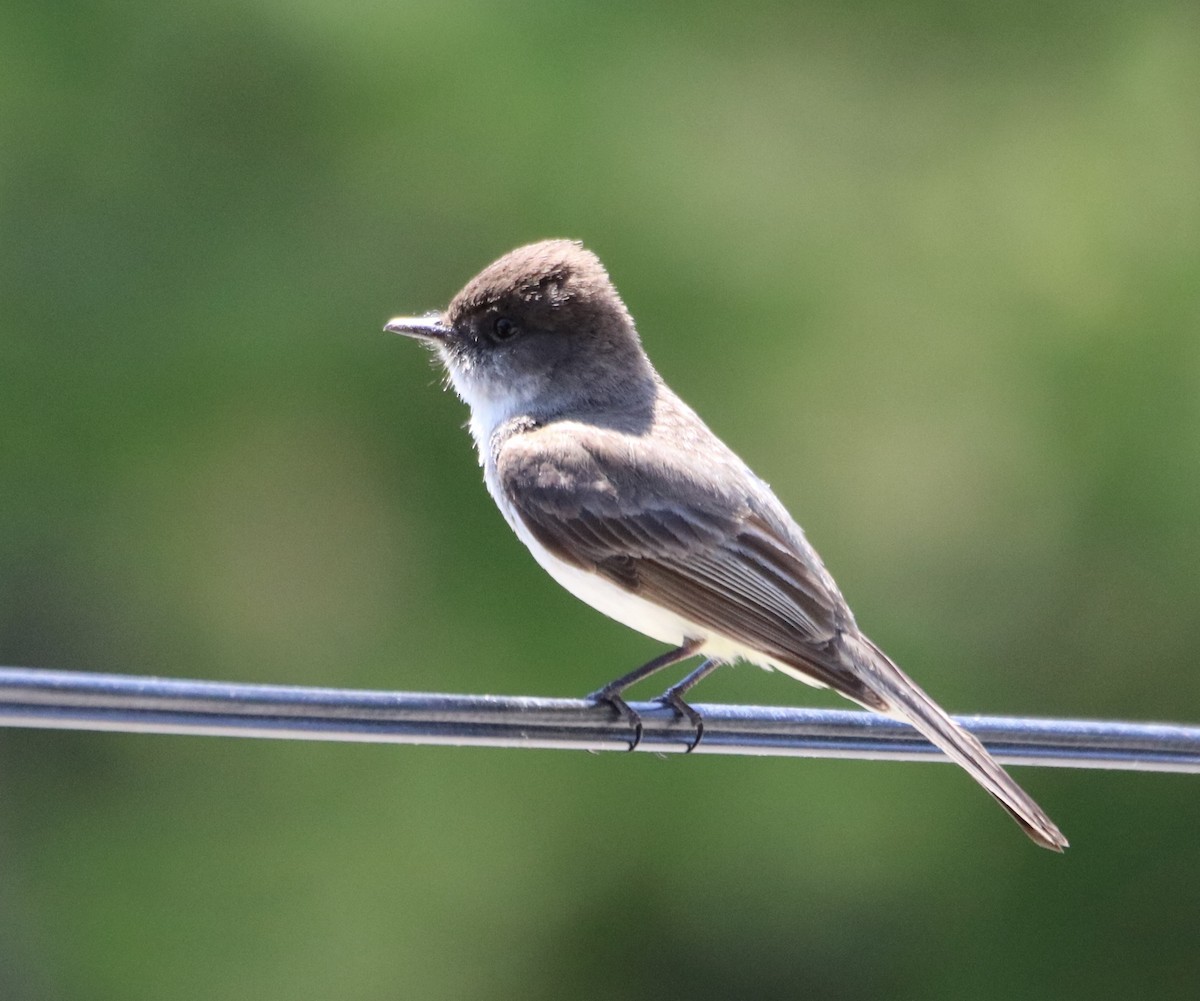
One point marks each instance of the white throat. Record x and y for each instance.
(491, 404)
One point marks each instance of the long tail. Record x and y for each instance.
(905, 699)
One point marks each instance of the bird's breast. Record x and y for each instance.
(609, 598)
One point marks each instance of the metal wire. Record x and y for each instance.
(77, 700)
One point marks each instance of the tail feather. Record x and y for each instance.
(905, 699)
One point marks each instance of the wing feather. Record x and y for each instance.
(710, 554)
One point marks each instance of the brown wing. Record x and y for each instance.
(685, 537)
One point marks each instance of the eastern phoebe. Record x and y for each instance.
(631, 503)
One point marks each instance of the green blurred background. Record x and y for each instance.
(948, 254)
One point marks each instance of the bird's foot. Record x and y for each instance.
(610, 697)
(673, 698)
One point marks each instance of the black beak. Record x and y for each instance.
(424, 328)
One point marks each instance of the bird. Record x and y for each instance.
(628, 500)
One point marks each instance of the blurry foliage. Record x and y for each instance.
(933, 269)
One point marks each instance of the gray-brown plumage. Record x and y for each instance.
(626, 497)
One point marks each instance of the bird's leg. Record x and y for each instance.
(673, 697)
(611, 693)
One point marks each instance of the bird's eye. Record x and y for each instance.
(503, 329)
